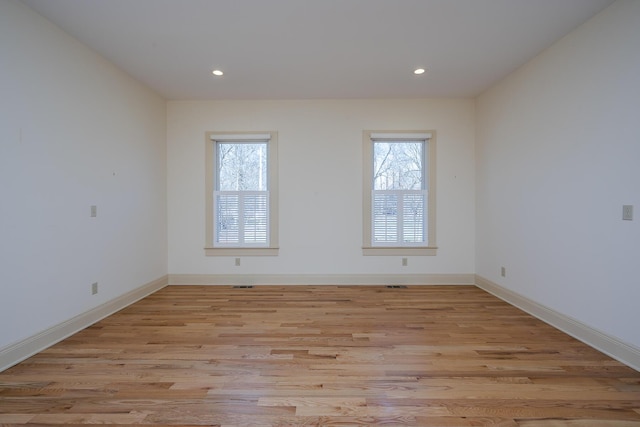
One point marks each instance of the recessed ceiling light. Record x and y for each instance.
(419, 71)
(217, 72)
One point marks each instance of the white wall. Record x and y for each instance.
(557, 157)
(74, 132)
(320, 175)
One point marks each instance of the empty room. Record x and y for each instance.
(320, 212)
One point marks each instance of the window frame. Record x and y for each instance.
(429, 248)
(211, 175)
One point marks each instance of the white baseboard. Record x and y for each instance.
(609, 345)
(321, 279)
(17, 352)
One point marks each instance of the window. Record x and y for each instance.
(399, 193)
(241, 194)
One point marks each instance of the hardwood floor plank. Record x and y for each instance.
(321, 355)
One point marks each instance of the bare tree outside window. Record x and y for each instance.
(398, 165)
(242, 167)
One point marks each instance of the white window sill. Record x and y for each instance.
(241, 251)
(399, 251)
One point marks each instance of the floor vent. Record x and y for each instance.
(243, 287)
(396, 287)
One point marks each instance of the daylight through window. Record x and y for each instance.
(242, 184)
(399, 195)
(398, 183)
(241, 198)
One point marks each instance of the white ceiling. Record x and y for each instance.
(279, 49)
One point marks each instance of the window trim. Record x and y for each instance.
(368, 138)
(211, 138)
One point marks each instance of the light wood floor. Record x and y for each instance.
(305, 355)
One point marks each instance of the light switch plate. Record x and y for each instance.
(627, 212)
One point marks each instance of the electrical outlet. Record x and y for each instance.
(94, 288)
(405, 262)
(94, 211)
(503, 272)
(237, 262)
(627, 212)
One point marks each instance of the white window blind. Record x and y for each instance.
(399, 217)
(242, 218)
